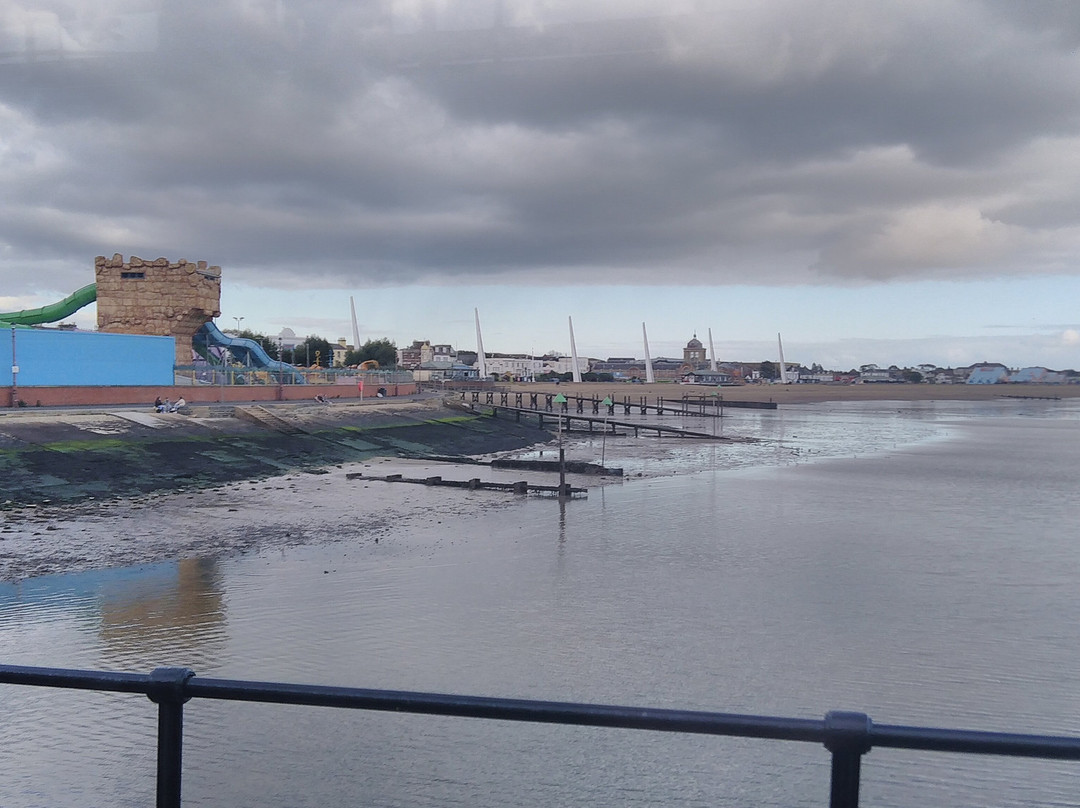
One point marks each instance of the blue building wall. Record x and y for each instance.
(49, 357)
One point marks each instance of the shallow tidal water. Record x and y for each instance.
(918, 562)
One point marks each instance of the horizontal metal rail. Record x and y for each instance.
(847, 735)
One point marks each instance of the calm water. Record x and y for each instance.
(916, 562)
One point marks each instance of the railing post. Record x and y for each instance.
(167, 691)
(847, 736)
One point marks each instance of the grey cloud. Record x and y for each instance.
(346, 142)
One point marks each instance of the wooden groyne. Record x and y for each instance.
(476, 484)
(555, 466)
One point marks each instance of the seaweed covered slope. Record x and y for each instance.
(68, 457)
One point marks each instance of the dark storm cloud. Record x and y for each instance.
(374, 143)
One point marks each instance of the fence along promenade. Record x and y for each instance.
(846, 735)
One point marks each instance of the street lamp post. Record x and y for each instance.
(238, 319)
(560, 399)
(280, 372)
(14, 372)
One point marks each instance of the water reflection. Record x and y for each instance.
(75, 748)
(185, 608)
(932, 585)
(140, 613)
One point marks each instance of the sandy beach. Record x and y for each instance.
(808, 393)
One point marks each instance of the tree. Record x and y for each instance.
(383, 351)
(268, 343)
(768, 370)
(313, 351)
(913, 376)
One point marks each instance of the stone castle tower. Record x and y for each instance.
(157, 297)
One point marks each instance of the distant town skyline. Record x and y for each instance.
(947, 324)
(1031, 327)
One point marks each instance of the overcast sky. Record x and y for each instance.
(880, 182)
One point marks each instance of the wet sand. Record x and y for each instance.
(100, 490)
(289, 510)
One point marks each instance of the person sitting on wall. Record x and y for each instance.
(159, 406)
(180, 402)
(165, 405)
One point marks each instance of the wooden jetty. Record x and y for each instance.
(596, 423)
(700, 405)
(476, 484)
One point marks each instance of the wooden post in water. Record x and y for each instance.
(603, 441)
(561, 400)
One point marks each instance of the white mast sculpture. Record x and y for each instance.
(481, 361)
(712, 354)
(783, 369)
(573, 353)
(648, 360)
(355, 327)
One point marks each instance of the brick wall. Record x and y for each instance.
(96, 396)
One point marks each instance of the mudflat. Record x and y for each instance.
(71, 455)
(86, 489)
(75, 455)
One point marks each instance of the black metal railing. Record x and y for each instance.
(846, 735)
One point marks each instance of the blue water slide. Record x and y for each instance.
(247, 351)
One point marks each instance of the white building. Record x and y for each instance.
(563, 364)
(515, 366)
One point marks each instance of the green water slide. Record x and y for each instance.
(51, 313)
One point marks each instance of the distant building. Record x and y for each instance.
(694, 354)
(872, 374)
(988, 374)
(1037, 376)
(999, 374)
(288, 339)
(412, 357)
(514, 366)
(564, 364)
(707, 377)
(462, 372)
(339, 351)
(443, 355)
(621, 368)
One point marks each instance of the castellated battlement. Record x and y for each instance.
(157, 297)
